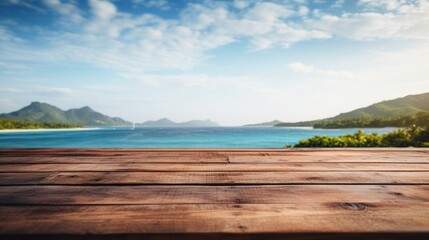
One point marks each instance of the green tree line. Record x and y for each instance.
(419, 119)
(411, 137)
(22, 124)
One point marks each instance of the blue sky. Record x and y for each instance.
(234, 62)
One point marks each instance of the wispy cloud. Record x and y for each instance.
(24, 4)
(384, 20)
(159, 4)
(41, 90)
(67, 10)
(300, 67)
(10, 90)
(133, 45)
(304, 68)
(338, 4)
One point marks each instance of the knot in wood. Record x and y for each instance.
(352, 206)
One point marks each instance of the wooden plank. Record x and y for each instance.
(226, 236)
(24, 178)
(122, 159)
(327, 153)
(201, 178)
(326, 217)
(214, 167)
(336, 158)
(400, 158)
(214, 192)
(212, 152)
(244, 150)
(104, 153)
(93, 195)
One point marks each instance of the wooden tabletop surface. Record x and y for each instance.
(214, 193)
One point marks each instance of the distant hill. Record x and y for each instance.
(410, 104)
(264, 124)
(43, 112)
(165, 122)
(199, 123)
(407, 105)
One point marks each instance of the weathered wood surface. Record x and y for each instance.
(211, 178)
(214, 193)
(215, 167)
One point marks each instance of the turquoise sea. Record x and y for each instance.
(214, 137)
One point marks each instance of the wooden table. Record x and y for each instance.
(214, 194)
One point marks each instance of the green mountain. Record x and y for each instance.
(410, 104)
(165, 122)
(407, 105)
(264, 124)
(43, 112)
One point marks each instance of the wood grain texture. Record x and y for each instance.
(112, 159)
(218, 178)
(92, 195)
(213, 152)
(403, 158)
(328, 217)
(214, 193)
(224, 158)
(213, 167)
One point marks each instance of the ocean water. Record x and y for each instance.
(219, 137)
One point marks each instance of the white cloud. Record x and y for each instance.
(103, 10)
(407, 66)
(300, 67)
(40, 90)
(68, 10)
(304, 68)
(60, 91)
(160, 4)
(10, 90)
(303, 10)
(7, 36)
(338, 4)
(405, 21)
(268, 12)
(134, 44)
(276, 94)
(384, 4)
(241, 4)
(339, 74)
(24, 4)
(196, 80)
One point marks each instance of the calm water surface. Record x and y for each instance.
(220, 137)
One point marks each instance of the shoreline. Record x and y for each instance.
(45, 130)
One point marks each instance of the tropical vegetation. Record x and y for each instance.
(411, 137)
(23, 124)
(418, 119)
